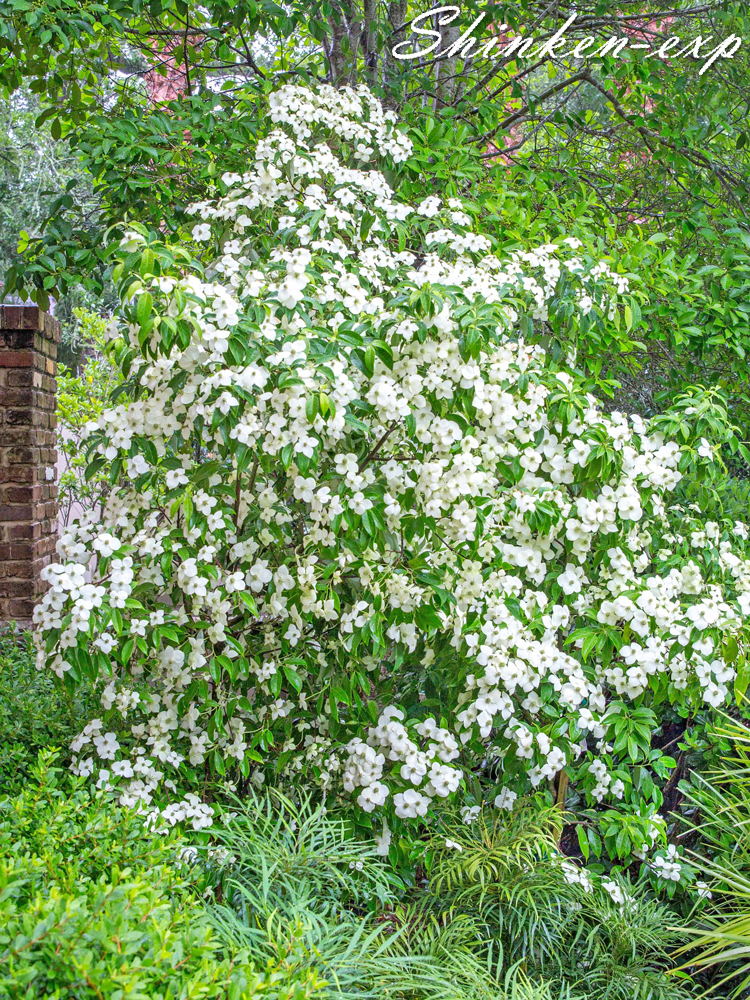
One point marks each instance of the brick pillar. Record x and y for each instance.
(28, 490)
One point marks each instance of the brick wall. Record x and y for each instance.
(28, 490)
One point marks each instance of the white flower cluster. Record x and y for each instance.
(354, 116)
(190, 809)
(589, 882)
(426, 768)
(575, 875)
(615, 892)
(668, 866)
(344, 470)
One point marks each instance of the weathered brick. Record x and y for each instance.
(22, 609)
(18, 397)
(20, 494)
(20, 417)
(23, 378)
(45, 546)
(17, 610)
(18, 473)
(16, 359)
(14, 317)
(22, 456)
(17, 588)
(20, 570)
(23, 530)
(16, 512)
(18, 436)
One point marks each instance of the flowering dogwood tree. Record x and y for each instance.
(362, 528)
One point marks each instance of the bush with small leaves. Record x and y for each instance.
(81, 398)
(93, 905)
(35, 711)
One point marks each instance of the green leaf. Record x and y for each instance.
(340, 695)
(595, 842)
(730, 649)
(275, 682)
(293, 678)
(741, 681)
(333, 706)
(249, 601)
(366, 225)
(147, 263)
(94, 467)
(145, 305)
(583, 842)
(218, 762)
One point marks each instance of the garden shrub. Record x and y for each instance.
(363, 532)
(94, 905)
(35, 713)
(75, 834)
(592, 933)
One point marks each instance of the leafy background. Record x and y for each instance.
(120, 109)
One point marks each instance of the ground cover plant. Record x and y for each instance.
(498, 913)
(109, 907)
(35, 713)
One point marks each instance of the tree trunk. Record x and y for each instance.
(392, 66)
(445, 71)
(341, 48)
(369, 38)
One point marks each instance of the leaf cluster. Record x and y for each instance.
(93, 905)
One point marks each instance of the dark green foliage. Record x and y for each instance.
(508, 878)
(35, 712)
(727, 499)
(302, 891)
